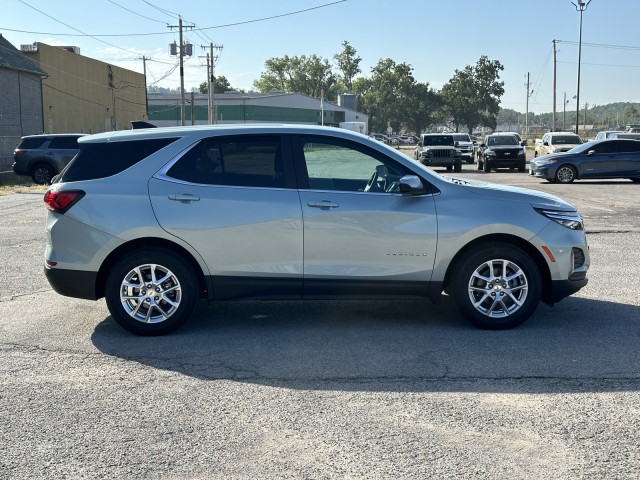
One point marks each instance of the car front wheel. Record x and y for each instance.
(497, 286)
(151, 291)
(565, 174)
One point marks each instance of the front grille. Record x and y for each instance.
(507, 153)
(441, 153)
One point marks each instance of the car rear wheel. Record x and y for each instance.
(458, 167)
(565, 174)
(42, 174)
(497, 286)
(487, 167)
(151, 291)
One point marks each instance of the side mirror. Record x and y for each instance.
(546, 144)
(523, 143)
(457, 144)
(412, 185)
(482, 145)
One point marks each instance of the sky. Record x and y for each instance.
(435, 37)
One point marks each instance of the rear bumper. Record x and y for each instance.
(73, 283)
(18, 169)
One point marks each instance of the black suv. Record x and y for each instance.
(501, 150)
(43, 156)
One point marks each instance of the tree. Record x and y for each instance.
(472, 96)
(348, 64)
(220, 85)
(306, 75)
(388, 96)
(423, 107)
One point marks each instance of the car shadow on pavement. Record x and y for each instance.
(580, 344)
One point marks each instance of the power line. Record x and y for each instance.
(136, 13)
(73, 28)
(166, 12)
(602, 45)
(95, 35)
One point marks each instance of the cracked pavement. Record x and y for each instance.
(346, 389)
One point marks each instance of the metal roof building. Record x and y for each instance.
(278, 107)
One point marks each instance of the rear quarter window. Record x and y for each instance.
(100, 160)
(31, 143)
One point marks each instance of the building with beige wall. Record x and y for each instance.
(84, 95)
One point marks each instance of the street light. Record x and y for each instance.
(580, 7)
(564, 112)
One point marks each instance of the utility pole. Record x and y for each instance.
(212, 78)
(181, 50)
(581, 7)
(553, 127)
(146, 94)
(526, 116)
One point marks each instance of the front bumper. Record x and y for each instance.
(501, 162)
(563, 288)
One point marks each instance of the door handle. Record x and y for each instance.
(184, 198)
(324, 205)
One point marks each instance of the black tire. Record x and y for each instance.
(490, 304)
(522, 168)
(142, 309)
(449, 168)
(480, 164)
(42, 174)
(487, 167)
(635, 180)
(458, 167)
(565, 174)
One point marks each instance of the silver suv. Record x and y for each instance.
(43, 156)
(155, 219)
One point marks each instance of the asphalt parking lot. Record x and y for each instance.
(345, 389)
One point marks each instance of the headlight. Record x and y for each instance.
(572, 220)
(544, 161)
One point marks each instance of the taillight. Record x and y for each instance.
(60, 202)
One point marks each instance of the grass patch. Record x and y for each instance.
(12, 189)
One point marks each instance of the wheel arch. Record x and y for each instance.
(141, 243)
(529, 249)
(42, 161)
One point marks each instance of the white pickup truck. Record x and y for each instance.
(555, 142)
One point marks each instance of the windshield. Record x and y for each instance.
(436, 140)
(502, 140)
(461, 137)
(585, 147)
(566, 140)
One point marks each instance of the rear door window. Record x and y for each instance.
(243, 161)
(69, 143)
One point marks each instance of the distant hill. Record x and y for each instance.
(612, 115)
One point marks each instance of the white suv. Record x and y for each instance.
(155, 219)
